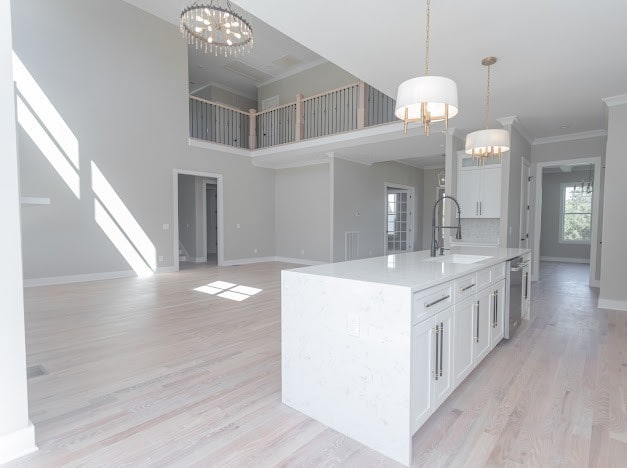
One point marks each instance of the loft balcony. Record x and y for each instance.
(353, 114)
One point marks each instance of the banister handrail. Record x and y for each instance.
(276, 108)
(217, 104)
(332, 91)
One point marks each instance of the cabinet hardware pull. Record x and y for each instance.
(437, 347)
(477, 209)
(493, 310)
(477, 337)
(468, 287)
(480, 208)
(443, 298)
(496, 308)
(527, 285)
(441, 345)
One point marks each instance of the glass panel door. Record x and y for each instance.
(397, 221)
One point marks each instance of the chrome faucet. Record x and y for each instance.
(434, 227)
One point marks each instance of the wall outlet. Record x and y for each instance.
(238, 226)
(254, 251)
(166, 227)
(161, 258)
(353, 324)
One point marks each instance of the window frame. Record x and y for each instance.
(563, 214)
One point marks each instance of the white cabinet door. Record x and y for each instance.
(497, 312)
(490, 199)
(482, 325)
(468, 192)
(423, 367)
(444, 381)
(463, 342)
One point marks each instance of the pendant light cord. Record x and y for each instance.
(487, 101)
(427, 37)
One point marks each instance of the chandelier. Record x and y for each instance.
(491, 142)
(426, 99)
(586, 186)
(216, 28)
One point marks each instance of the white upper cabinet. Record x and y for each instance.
(479, 187)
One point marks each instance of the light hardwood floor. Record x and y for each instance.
(151, 372)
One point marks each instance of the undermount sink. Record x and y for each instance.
(458, 258)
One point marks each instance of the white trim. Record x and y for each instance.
(35, 201)
(167, 269)
(615, 100)
(17, 444)
(299, 261)
(239, 92)
(431, 168)
(293, 71)
(331, 205)
(612, 304)
(564, 260)
(175, 204)
(515, 122)
(594, 284)
(596, 160)
(50, 280)
(569, 137)
(313, 162)
(523, 203)
(220, 148)
(270, 103)
(248, 261)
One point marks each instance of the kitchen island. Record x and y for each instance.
(372, 347)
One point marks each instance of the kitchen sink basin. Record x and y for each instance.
(458, 258)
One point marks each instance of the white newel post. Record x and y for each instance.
(300, 123)
(17, 435)
(252, 135)
(361, 105)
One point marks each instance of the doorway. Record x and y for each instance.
(198, 218)
(568, 195)
(399, 216)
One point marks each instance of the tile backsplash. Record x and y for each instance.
(481, 231)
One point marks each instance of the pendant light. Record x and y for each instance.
(491, 142)
(426, 99)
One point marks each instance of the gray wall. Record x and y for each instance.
(551, 202)
(429, 194)
(561, 151)
(359, 203)
(315, 80)
(136, 140)
(303, 213)
(224, 96)
(615, 221)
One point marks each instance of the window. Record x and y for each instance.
(575, 214)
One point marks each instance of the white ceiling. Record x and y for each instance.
(274, 55)
(557, 58)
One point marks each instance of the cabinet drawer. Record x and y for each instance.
(465, 287)
(430, 301)
(498, 272)
(484, 278)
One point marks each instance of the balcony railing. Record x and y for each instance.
(345, 109)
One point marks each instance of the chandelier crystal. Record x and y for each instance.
(215, 27)
(426, 99)
(491, 142)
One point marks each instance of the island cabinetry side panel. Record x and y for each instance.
(346, 357)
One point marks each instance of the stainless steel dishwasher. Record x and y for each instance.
(515, 295)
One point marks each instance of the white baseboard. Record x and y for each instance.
(298, 261)
(17, 444)
(564, 260)
(247, 261)
(612, 304)
(594, 283)
(167, 269)
(77, 278)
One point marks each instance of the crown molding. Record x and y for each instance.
(570, 137)
(433, 167)
(615, 100)
(456, 132)
(239, 92)
(293, 71)
(514, 122)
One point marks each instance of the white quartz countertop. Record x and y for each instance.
(416, 270)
